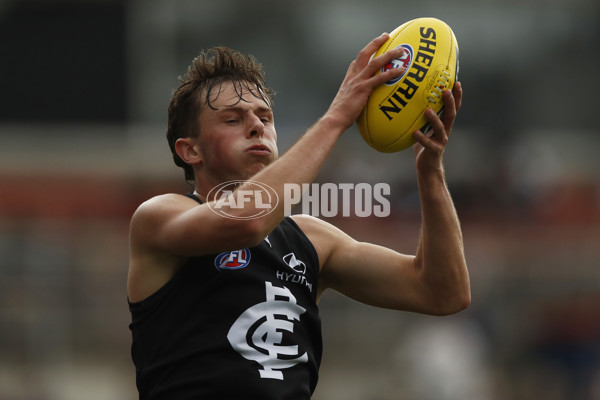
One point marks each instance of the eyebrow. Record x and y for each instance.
(236, 108)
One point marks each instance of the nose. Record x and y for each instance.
(256, 127)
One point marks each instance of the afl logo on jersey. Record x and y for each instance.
(233, 259)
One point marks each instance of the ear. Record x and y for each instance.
(187, 150)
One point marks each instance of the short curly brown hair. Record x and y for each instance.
(211, 68)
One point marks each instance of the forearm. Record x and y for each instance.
(299, 165)
(440, 255)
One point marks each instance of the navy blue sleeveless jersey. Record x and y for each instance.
(242, 324)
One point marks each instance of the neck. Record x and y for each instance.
(206, 193)
(206, 189)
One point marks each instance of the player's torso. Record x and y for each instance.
(249, 315)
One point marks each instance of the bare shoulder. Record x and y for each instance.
(156, 210)
(153, 222)
(163, 203)
(307, 222)
(324, 236)
(150, 265)
(315, 228)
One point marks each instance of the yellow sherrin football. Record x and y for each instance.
(397, 108)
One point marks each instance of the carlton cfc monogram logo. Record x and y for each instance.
(258, 333)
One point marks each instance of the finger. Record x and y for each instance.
(417, 147)
(377, 64)
(388, 56)
(365, 54)
(438, 132)
(449, 106)
(449, 114)
(423, 141)
(457, 92)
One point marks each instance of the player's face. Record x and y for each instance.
(237, 136)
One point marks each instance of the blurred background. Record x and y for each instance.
(84, 89)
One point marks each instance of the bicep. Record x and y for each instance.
(374, 275)
(365, 272)
(176, 225)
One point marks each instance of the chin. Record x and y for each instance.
(254, 169)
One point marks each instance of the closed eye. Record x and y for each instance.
(266, 117)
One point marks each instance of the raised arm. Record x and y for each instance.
(169, 228)
(301, 163)
(182, 227)
(440, 254)
(435, 280)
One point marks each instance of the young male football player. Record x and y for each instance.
(224, 305)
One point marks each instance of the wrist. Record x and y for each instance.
(431, 174)
(334, 123)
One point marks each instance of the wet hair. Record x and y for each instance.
(210, 69)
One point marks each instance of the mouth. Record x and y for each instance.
(258, 150)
